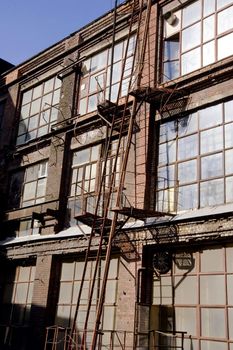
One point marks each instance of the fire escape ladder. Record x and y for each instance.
(121, 120)
(113, 228)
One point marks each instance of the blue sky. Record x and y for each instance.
(30, 26)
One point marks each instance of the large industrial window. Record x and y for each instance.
(39, 110)
(71, 275)
(195, 160)
(87, 167)
(199, 34)
(16, 306)
(28, 186)
(196, 297)
(95, 82)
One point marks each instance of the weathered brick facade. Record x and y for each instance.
(167, 260)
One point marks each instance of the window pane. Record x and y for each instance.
(192, 13)
(187, 147)
(208, 28)
(33, 122)
(21, 293)
(213, 345)
(41, 188)
(188, 197)
(222, 3)
(212, 140)
(48, 86)
(225, 47)
(56, 97)
(208, 53)
(166, 200)
(32, 173)
(229, 189)
(210, 116)
(209, 7)
(166, 177)
(185, 290)
(47, 101)
(96, 83)
(35, 106)
(171, 49)
(212, 290)
(95, 153)
(81, 157)
(25, 111)
(186, 320)
(213, 323)
(212, 193)
(230, 316)
(191, 37)
(27, 97)
(67, 272)
(229, 254)
(83, 106)
(65, 293)
(212, 260)
(187, 124)
(92, 103)
(230, 289)
(167, 152)
(168, 131)
(229, 162)
(162, 291)
(228, 135)
(118, 50)
(171, 70)
(37, 91)
(225, 20)
(228, 106)
(187, 172)
(191, 61)
(24, 274)
(29, 191)
(99, 61)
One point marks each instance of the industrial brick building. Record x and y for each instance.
(116, 153)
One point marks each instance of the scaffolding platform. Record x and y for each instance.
(140, 214)
(91, 220)
(154, 95)
(110, 111)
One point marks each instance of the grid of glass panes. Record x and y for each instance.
(94, 87)
(17, 296)
(196, 296)
(71, 275)
(111, 163)
(195, 160)
(39, 110)
(84, 176)
(28, 186)
(87, 166)
(201, 35)
(34, 186)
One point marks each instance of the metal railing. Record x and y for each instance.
(58, 338)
